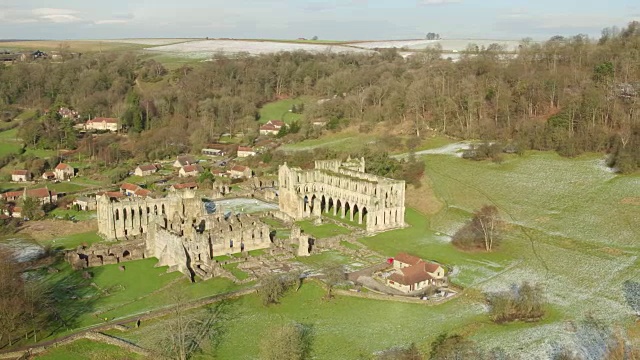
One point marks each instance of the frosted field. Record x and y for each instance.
(447, 45)
(22, 249)
(154, 42)
(207, 48)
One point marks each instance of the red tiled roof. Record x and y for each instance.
(239, 168)
(62, 166)
(40, 193)
(431, 267)
(112, 194)
(276, 123)
(19, 172)
(191, 168)
(244, 148)
(142, 192)
(411, 275)
(268, 127)
(190, 185)
(49, 174)
(148, 167)
(101, 119)
(407, 259)
(12, 194)
(130, 187)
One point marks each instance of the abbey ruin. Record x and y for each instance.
(177, 230)
(342, 189)
(181, 234)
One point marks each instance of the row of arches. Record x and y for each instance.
(322, 204)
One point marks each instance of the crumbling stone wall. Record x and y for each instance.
(105, 254)
(342, 189)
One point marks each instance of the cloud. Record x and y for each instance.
(52, 15)
(439, 2)
(110, 21)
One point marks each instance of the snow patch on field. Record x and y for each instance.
(23, 250)
(154, 42)
(207, 48)
(447, 45)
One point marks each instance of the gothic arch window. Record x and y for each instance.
(117, 214)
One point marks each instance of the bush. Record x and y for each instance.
(521, 303)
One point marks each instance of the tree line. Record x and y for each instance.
(571, 95)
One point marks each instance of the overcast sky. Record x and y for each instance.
(328, 19)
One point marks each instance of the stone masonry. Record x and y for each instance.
(178, 231)
(342, 189)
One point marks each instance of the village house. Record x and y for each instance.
(64, 172)
(68, 113)
(240, 171)
(184, 160)
(129, 189)
(49, 175)
(101, 123)
(134, 190)
(43, 195)
(145, 170)
(85, 203)
(20, 175)
(219, 149)
(12, 211)
(190, 170)
(272, 127)
(412, 274)
(212, 152)
(113, 195)
(190, 185)
(245, 151)
(218, 172)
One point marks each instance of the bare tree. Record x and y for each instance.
(488, 221)
(285, 342)
(333, 275)
(185, 333)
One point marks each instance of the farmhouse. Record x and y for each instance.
(13, 211)
(129, 189)
(184, 160)
(240, 171)
(85, 203)
(64, 172)
(100, 123)
(245, 151)
(190, 185)
(190, 170)
(412, 274)
(272, 127)
(20, 175)
(43, 195)
(145, 170)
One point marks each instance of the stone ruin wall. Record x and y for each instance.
(178, 231)
(339, 188)
(106, 254)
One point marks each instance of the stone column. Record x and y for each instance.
(343, 211)
(351, 214)
(360, 216)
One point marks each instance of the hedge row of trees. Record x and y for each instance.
(567, 94)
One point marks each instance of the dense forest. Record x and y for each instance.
(571, 95)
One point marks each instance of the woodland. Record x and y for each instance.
(568, 94)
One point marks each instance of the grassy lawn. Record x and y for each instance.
(322, 231)
(78, 215)
(40, 153)
(9, 144)
(65, 187)
(75, 240)
(73, 45)
(349, 245)
(279, 110)
(343, 141)
(233, 268)
(85, 349)
(379, 324)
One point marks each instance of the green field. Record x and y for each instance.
(84, 349)
(233, 269)
(9, 144)
(344, 141)
(344, 328)
(279, 110)
(322, 231)
(75, 240)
